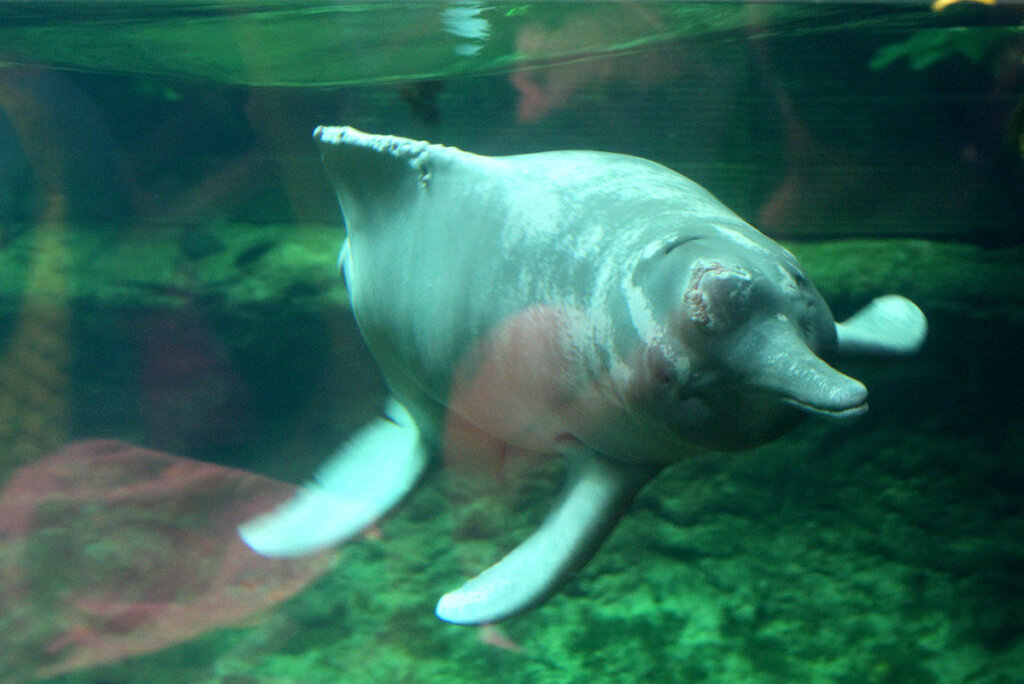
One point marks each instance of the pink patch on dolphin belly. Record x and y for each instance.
(509, 395)
(126, 551)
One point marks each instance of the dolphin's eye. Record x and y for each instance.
(799, 279)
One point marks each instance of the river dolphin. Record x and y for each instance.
(589, 305)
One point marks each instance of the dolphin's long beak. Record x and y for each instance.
(787, 368)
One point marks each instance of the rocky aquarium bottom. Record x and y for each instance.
(160, 389)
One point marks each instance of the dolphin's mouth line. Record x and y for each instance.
(835, 414)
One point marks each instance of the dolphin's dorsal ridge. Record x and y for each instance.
(377, 170)
(389, 145)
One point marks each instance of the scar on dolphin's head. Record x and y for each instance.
(716, 294)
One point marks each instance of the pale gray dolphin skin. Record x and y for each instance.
(592, 305)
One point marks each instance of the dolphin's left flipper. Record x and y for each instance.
(362, 481)
(889, 325)
(597, 495)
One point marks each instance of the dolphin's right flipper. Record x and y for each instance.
(597, 495)
(889, 326)
(371, 473)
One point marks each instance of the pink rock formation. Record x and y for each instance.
(122, 551)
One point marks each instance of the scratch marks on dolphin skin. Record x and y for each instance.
(734, 234)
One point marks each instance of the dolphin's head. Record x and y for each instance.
(743, 349)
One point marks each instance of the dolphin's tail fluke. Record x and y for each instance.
(889, 326)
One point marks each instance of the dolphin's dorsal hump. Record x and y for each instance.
(374, 173)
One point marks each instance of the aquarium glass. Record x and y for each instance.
(179, 354)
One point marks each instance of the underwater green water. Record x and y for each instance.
(177, 349)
